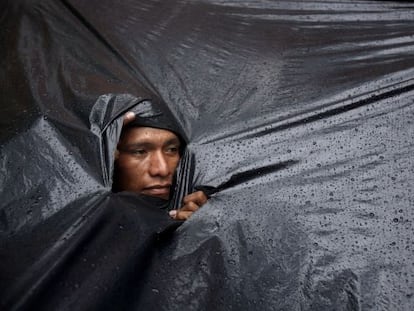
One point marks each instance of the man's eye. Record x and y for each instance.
(138, 151)
(172, 149)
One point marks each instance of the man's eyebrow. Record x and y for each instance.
(138, 144)
(148, 144)
(173, 141)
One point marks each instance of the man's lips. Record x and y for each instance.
(157, 190)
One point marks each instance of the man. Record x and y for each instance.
(146, 160)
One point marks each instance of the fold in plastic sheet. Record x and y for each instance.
(299, 118)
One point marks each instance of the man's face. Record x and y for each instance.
(147, 161)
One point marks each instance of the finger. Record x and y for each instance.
(190, 206)
(180, 215)
(198, 197)
(128, 117)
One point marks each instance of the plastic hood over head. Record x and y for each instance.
(150, 114)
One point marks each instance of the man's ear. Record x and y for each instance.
(127, 118)
(116, 155)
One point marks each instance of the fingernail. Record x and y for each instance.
(130, 114)
(173, 213)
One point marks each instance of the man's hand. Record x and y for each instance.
(128, 117)
(192, 203)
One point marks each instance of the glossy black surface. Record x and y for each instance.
(299, 117)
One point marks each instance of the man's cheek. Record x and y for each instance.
(174, 164)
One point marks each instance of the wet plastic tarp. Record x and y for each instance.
(299, 120)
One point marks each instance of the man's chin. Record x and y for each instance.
(166, 198)
(157, 193)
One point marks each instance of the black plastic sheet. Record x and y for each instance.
(299, 121)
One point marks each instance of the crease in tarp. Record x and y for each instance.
(322, 109)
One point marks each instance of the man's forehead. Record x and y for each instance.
(142, 134)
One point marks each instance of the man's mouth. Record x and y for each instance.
(162, 191)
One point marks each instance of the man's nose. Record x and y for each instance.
(159, 165)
